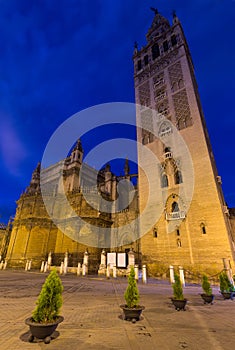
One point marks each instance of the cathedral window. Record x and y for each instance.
(155, 51)
(177, 232)
(173, 40)
(178, 177)
(146, 60)
(164, 181)
(165, 45)
(139, 65)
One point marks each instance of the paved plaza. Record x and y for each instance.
(93, 318)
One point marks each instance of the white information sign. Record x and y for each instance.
(111, 259)
(121, 260)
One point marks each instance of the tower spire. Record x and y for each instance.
(34, 185)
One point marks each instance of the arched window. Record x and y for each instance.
(151, 137)
(145, 140)
(164, 181)
(155, 232)
(175, 207)
(203, 228)
(165, 129)
(181, 123)
(179, 243)
(174, 87)
(178, 177)
(180, 84)
(165, 45)
(139, 65)
(146, 60)
(173, 40)
(155, 51)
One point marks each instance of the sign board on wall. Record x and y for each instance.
(111, 259)
(121, 259)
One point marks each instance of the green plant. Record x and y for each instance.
(206, 285)
(132, 294)
(50, 299)
(225, 284)
(177, 288)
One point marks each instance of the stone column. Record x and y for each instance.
(1, 265)
(114, 271)
(45, 267)
(144, 274)
(26, 265)
(5, 265)
(172, 274)
(42, 267)
(49, 260)
(66, 258)
(79, 269)
(84, 269)
(29, 265)
(102, 267)
(181, 271)
(103, 258)
(85, 260)
(61, 267)
(108, 271)
(137, 273)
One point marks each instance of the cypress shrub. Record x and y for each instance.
(132, 293)
(50, 300)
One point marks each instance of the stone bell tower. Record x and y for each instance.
(194, 233)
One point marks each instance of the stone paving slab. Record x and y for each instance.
(94, 321)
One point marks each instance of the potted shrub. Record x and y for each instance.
(178, 299)
(226, 287)
(132, 310)
(45, 318)
(207, 296)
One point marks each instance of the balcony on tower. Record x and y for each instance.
(167, 153)
(176, 215)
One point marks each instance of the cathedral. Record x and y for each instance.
(188, 223)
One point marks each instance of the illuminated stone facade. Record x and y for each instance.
(34, 234)
(195, 235)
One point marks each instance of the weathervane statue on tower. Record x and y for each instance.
(154, 10)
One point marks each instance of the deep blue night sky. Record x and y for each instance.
(58, 57)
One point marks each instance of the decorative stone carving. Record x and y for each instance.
(182, 109)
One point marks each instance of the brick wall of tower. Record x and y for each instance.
(202, 239)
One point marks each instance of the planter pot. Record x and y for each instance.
(42, 331)
(179, 304)
(132, 314)
(208, 299)
(228, 295)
